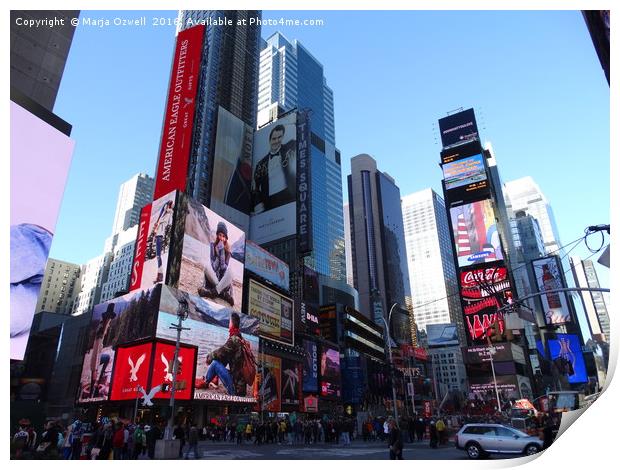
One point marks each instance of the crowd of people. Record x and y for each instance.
(122, 440)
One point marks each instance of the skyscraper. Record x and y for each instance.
(291, 77)
(132, 196)
(525, 195)
(228, 78)
(432, 275)
(378, 242)
(39, 54)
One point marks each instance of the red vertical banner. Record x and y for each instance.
(140, 250)
(179, 122)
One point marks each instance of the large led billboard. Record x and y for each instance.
(185, 245)
(274, 311)
(270, 383)
(465, 178)
(155, 237)
(481, 354)
(567, 357)
(549, 278)
(458, 128)
(176, 139)
(274, 181)
(131, 371)
(227, 343)
(483, 292)
(442, 334)
(212, 257)
(456, 153)
(39, 161)
(266, 265)
(330, 372)
(310, 373)
(475, 233)
(291, 383)
(231, 187)
(163, 368)
(124, 319)
(506, 384)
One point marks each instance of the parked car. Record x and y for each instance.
(479, 440)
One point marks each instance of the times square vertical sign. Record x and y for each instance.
(304, 205)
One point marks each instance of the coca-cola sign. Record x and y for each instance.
(484, 291)
(476, 277)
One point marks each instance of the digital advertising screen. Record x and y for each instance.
(566, 355)
(131, 371)
(227, 343)
(274, 181)
(506, 384)
(465, 178)
(121, 320)
(40, 157)
(458, 128)
(291, 383)
(480, 354)
(212, 258)
(442, 334)
(270, 383)
(483, 292)
(274, 311)
(461, 151)
(231, 188)
(330, 373)
(310, 374)
(155, 236)
(264, 264)
(549, 278)
(475, 233)
(163, 369)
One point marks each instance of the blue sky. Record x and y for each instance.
(533, 78)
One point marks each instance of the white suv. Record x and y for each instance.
(478, 440)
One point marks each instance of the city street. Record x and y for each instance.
(358, 450)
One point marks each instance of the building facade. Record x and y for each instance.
(60, 286)
(39, 55)
(133, 195)
(228, 78)
(432, 275)
(290, 78)
(378, 242)
(121, 258)
(524, 194)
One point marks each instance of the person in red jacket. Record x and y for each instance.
(118, 441)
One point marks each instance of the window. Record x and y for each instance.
(503, 432)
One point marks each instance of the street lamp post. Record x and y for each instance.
(182, 314)
(491, 352)
(389, 346)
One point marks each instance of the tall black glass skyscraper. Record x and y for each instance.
(379, 254)
(228, 78)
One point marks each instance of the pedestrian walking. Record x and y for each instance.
(434, 437)
(192, 442)
(139, 442)
(395, 441)
(153, 433)
(66, 445)
(179, 433)
(118, 442)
